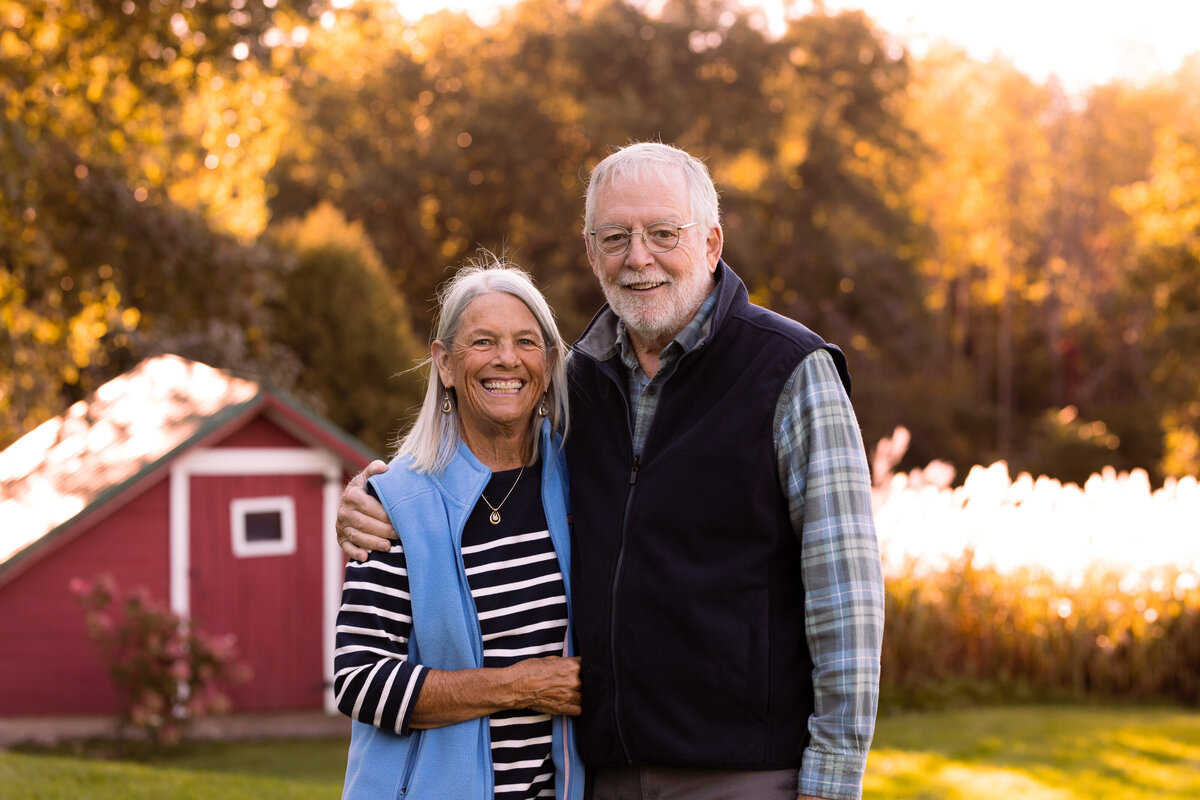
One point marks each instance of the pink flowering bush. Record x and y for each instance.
(165, 670)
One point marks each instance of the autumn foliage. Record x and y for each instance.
(1009, 267)
(977, 634)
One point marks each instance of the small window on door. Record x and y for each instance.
(263, 526)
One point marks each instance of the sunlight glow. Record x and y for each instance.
(1082, 43)
(1113, 523)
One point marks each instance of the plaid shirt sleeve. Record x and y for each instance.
(823, 470)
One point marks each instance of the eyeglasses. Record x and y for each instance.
(659, 237)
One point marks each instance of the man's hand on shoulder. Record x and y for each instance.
(362, 522)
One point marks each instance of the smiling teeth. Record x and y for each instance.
(645, 285)
(502, 386)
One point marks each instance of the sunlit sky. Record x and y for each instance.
(1083, 42)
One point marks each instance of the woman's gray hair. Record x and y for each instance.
(655, 158)
(435, 436)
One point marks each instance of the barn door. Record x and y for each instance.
(255, 570)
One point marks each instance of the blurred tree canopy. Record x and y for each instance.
(114, 221)
(342, 317)
(278, 187)
(1165, 214)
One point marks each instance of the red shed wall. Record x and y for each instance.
(260, 432)
(272, 604)
(48, 665)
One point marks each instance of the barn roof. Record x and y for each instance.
(130, 427)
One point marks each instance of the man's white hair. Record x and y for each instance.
(655, 158)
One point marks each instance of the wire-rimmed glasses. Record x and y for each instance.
(659, 237)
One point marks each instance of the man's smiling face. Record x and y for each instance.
(656, 294)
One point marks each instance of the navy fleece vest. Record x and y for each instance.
(687, 594)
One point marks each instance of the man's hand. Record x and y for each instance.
(362, 522)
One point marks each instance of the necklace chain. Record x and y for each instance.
(494, 517)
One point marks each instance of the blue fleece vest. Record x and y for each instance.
(689, 606)
(429, 513)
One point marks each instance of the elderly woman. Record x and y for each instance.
(453, 650)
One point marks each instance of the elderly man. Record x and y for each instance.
(727, 586)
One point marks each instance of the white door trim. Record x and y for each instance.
(260, 461)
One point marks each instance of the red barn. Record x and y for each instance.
(215, 493)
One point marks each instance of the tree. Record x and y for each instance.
(834, 242)
(94, 278)
(342, 318)
(440, 136)
(165, 92)
(113, 120)
(986, 193)
(1165, 211)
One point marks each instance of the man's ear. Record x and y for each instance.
(713, 246)
(441, 362)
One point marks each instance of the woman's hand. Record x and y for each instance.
(549, 685)
(552, 685)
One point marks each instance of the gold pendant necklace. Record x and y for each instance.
(494, 517)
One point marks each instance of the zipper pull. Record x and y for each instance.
(637, 460)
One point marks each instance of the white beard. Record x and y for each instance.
(658, 320)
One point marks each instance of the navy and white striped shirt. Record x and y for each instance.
(513, 574)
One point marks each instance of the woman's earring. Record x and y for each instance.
(543, 410)
(446, 407)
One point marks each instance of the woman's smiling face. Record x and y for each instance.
(496, 366)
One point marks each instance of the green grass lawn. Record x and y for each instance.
(1032, 753)
(1037, 753)
(303, 769)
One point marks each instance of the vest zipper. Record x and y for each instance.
(612, 622)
